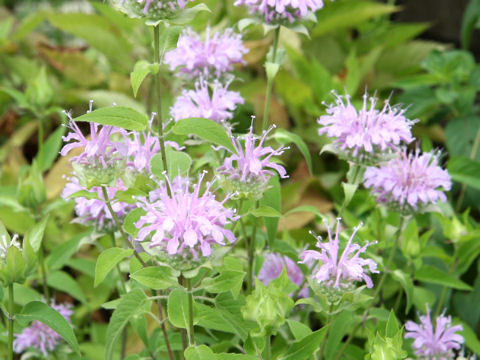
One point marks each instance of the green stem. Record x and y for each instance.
(473, 153)
(268, 95)
(40, 134)
(191, 333)
(328, 323)
(378, 289)
(249, 267)
(123, 287)
(164, 329)
(158, 86)
(119, 226)
(441, 301)
(10, 321)
(268, 348)
(43, 270)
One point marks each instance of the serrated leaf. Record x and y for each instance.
(129, 306)
(40, 311)
(286, 137)
(120, 116)
(155, 277)
(206, 129)
(433, 275)
(107, 260)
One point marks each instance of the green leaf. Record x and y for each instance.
(62, 281)
(471, 339)
(49, 152)
(303, 349)
(130, 220)
(271, 69)
(342, 323)
(60, 255)
(25, 294)
(107, 260)
(465, 170)
(124, 117)
(433, 275)
(178, 162)
(407, 284)
(206, 129)
(265, 211)
(155, 277)
(130, 305)
(35, 235)
(214, 319)
(342, 14)
(40, 311)
(286, 137)
(201, 352)
(177, 308)
(272, 198)
(228, 280)
(141, 69)
(298, 329)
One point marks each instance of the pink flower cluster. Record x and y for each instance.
(339, 269)
(434, 342)
(216, 104)
(179, 219)
(210, 57)
(366, 134)
(410, 181)
(39, 336)
(274, 11)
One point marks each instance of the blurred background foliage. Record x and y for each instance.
(57, 55)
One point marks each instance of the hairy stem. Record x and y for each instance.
(268, 95)
(191, 333)
(10, 321)
(158, 86)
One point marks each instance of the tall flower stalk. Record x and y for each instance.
(158, 87)
(11, 320)
(270, 78)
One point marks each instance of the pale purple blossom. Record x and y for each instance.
(142, 147)
(368, 133)
(274, 11)
(409, 181)
(339, 269)
(251, 161)
(210, 57)
(183, 221)
(99, 149)
(272, 268)
(217, 103)
(435, 343)
(95, 211)
(39, 335)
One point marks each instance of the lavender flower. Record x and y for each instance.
(142, 147)
(272, 267)
(39, 335)
(365, 136)
(251, 166)
(99, 150)
(211, 57)
(280, 11)
(434, 343)
(411, 181)
(184, 222)
(339, 271)
(95, 211)
(199, 103)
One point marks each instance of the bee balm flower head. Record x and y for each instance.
(339, 269)
(365, 136)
